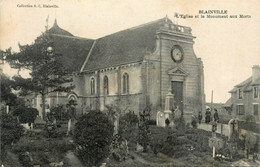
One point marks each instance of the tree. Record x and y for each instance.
(144, 135)
(25, 114)
(47, 72)
(11, 131)
(93, 136)
(57, 112)
(6, 92)
(128, 126)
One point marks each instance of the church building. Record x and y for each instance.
(132, 68)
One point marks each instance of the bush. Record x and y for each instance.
(93, 136)
(128, 126)
(25, 114)
(144, 135)
(58, 112)
(11, 131)
(180, 125)
(250, 126)
(194, 122)
(151, 122)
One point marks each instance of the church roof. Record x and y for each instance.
(55, 29)
(73, 49)
(127, 46)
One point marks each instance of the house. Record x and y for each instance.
(132, 68)
(245, 98)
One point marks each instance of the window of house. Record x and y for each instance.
(255, 92)
(92, 86)
(106, 91)
(125, 83)
(240, 109)
(239, 93)
(255, 109)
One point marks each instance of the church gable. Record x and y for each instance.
(178, 71)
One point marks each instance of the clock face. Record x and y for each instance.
(177, 54)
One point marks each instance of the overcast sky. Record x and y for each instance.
(228, 47)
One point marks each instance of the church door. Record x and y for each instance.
(177, 90)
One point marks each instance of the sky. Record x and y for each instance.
(228, 47)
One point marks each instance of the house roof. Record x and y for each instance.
(124, 47)
(245, 82)
(256, 82)
(246, 85)
(228, 103)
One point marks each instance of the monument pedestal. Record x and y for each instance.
(187, 115)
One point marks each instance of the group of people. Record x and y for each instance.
(208, 116)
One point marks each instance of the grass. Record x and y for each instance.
(44, 151)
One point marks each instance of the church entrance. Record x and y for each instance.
(177, 90)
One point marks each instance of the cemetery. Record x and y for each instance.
(152, 114)
(123, 139)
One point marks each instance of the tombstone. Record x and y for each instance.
(69, 127)
(116, 125)
(7, 109)
(139, 148)
(160, 119)
(233, 127)
(177, 112)
(168, 105)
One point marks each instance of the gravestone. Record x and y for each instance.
(233, 127)
(214, 142)
(160, 119)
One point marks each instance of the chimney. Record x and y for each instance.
(255, 73)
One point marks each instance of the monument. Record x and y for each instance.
(161, 117)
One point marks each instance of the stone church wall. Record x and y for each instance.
(193, 87)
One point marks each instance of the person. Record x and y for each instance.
(216, 118)
(167, 122)
(200, 117)
(207, 116)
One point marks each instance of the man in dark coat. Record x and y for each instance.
(208, 114)
(216, 118)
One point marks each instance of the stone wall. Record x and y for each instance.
(159, 81)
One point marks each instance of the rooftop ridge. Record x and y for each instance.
(135, 27)
(76, 37)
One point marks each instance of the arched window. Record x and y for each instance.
(125, 83)
(106, 86)
(92, 86)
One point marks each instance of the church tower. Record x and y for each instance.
(174, 67)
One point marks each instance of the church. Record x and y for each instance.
(132, 69)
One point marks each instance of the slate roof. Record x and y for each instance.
(256, 82)
(55, 29)
(246, 85)
(228, 103)
(73, 49)
(245, 82)
(127, 46)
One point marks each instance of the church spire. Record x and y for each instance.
(166, 18)
(55, 23)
